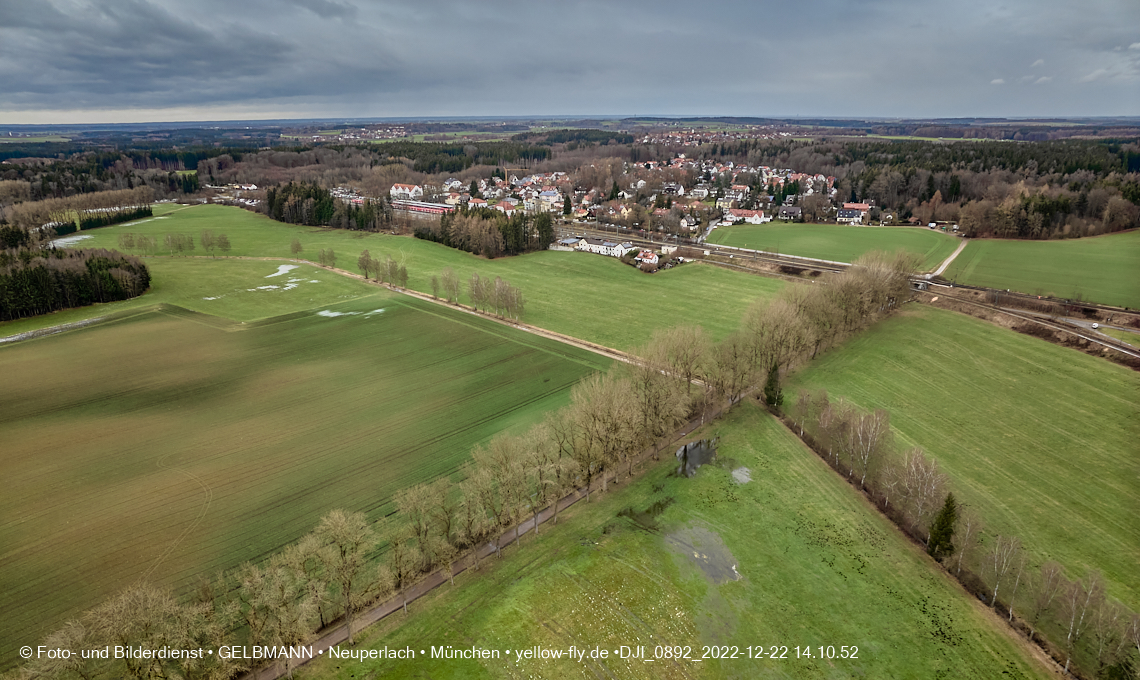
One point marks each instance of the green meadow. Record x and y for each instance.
(1038, 439)
(165, 443)
(1100, 269)
(793, 558)
(837, 242)
(587, 296)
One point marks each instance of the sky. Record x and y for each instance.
(106, 61)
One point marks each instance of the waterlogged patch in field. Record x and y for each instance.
(793, 558)
(1038, 439)
(170, 444)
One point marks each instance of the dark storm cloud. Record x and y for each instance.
(502, 57)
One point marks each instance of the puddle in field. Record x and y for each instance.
(67, 241)
(705, 550)
(282, 269)
(330, 314)
(253, 290)
(374, 312)
(647, 519)
(213, 298)
(695, 454)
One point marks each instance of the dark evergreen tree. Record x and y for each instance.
(942, 530)
(773, 392)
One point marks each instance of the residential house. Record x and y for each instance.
(849, 216)
(647, 257)
(749, 216)
(408, 192)
(790, 212)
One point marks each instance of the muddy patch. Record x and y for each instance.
(705, 550)
(646, 519)
(693, 455)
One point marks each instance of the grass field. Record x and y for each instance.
(840, 243)
(34, 140)
(1101, 269)
(166, 444)
(1038, 439)
(817, 566)
(579, 294)
(234, 289)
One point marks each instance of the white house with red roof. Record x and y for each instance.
(749, 216)
(409, 192)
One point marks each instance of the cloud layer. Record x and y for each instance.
(81, 60)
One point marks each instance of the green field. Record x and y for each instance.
(587, 296)
(166, 444)
(837, 242)
(1100, 269)
(1038, 439)
(34, 140)
(817, 566)
(234, 289)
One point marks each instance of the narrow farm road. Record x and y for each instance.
(947, 261)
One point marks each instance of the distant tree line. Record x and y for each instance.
(59, 213)
(39, 281)
(432, 157)
(577, 137)
(489, 232)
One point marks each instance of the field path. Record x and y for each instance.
(946, 263)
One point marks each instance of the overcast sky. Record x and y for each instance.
(73, 61)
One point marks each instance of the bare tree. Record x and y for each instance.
(224, 244)
(434, 286)
(684, 349)
(208, 241)
(450, 284)
(1001, 557)
(1050, 581)
(969, 528)
(349, 537)
(1109, 633)
(922, 487)
(365, 263)
(801, 410)
(295, 247)
(870, 434)
(660, 403)
(1078, 602)
(1021, 560)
